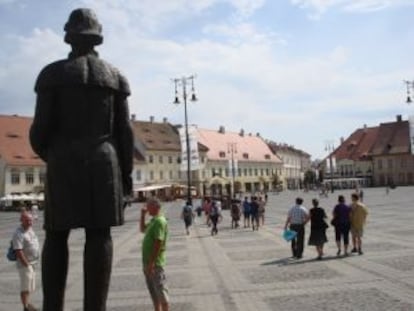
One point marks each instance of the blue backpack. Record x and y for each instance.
(11, 253)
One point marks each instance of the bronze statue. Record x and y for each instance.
(81, 130)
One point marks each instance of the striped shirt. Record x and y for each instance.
(298, 214)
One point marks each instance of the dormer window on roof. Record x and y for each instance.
(146, 130)
(245, 155)
(222, 154)
(267, 156)
(18, 156)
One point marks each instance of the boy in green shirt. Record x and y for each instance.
(153, 253)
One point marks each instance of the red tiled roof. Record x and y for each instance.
(358, 146)
(15, 147)
(254, 147)
(393, 138)
(159, 136)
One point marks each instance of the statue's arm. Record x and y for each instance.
(41, 128)
(125, 141)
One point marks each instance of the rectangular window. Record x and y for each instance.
(390, 163)
(160, 159)
(161, 175)
(245, 172)
(171, 175)
(150, 159)
(256, 172)
(29, 177)
(15, 177)
(42, 177)
(151, 175)
(379, 163)
(138, 175)
(170, 159)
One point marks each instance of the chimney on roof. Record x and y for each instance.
(258, 134)
(165, 120)
(241, 133)
(342, 140)
(399, 118)
(222, 129)
(133, 117)
(152, 119)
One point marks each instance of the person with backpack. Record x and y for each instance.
(26, 246)
(215, 216)
(187, 215)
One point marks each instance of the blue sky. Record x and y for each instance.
(301, 72)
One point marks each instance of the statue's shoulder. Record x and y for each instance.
(109, 74)
(49, 75)
(86, 70)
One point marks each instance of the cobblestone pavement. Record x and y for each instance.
(242, 270)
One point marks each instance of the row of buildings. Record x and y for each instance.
(373, 156)
(229, 162)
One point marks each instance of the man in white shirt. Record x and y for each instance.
(297, 218)
(26, 246)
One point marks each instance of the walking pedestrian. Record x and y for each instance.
(341, 222)
(26, 245)
(207, 208)
(153, 253)
(262, 210)
(254, 212)
(187, 215)
(358, 218)
(215, 217)
(235, 213)
(246, 212)
(297, 218)
(318, 228)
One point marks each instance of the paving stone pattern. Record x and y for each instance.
(244, 270)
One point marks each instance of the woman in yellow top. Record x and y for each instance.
(358, 217)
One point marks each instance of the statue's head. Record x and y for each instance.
(83, 26)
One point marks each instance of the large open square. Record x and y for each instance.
(240, 269)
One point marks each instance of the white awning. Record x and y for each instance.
(152, 187)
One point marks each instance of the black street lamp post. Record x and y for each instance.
(410, 86)
(329, 146)
(183, 82)
(232, 149)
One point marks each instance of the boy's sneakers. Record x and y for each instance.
(360, 252)
(354, 250)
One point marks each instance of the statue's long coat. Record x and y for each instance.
(81, 129)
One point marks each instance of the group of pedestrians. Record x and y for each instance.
(346, 219)
(254, 212)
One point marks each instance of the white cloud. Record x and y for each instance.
(20, 68)
(245, 76)
(318, 7)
